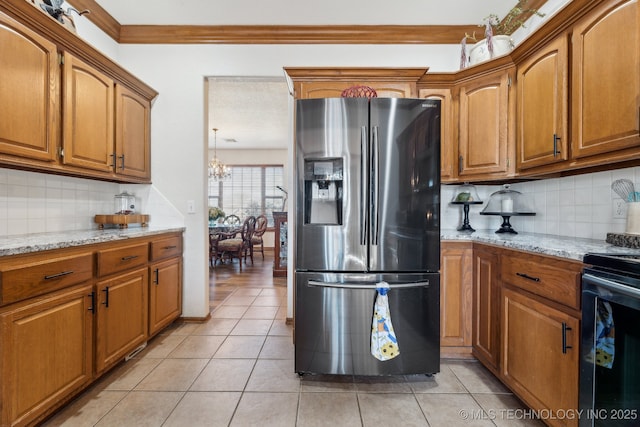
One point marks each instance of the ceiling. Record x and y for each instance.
(248, 112)
(253, 113)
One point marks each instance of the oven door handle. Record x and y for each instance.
(612, 286)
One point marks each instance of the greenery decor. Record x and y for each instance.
(215, 213)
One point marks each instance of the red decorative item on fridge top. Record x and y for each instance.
(359, 92)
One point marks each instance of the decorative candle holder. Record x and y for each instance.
(507, 203)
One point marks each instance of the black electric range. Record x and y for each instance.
(624, 265)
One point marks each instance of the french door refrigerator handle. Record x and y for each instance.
(364, 190)
(374, 178)
(356, 285)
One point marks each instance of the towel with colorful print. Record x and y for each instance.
(384, 345)
(603, 352)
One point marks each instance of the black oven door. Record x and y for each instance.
(610, 350)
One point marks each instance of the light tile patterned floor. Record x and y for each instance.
(237, 370)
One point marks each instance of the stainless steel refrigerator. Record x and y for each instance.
(367, 211)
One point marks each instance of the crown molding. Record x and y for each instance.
(293, 34)
(386, 74)
(271, 34)
(100, 17)
(276, 34)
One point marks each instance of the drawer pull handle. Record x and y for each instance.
(565, 328)
(128, 258)
(58, 275)
(156, 280)
(170, 247)
(106, 297)
(526, 276)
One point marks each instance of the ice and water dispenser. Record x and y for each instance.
(323, 191)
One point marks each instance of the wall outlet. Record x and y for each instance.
(619, 208)
(191, 206)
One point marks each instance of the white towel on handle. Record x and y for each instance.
(384, 345)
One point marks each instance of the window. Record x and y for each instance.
(250, 190)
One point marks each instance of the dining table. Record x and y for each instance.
(224, 230)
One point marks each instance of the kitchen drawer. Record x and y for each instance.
(122, 258)
(548, 277)
(166, 248)
(42, 274)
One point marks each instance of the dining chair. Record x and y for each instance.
(231, 220)
(261, 228)
(238, 246)
(214, 253)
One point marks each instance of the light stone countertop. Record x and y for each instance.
(564, 247)
(27, 243)
(560, 246)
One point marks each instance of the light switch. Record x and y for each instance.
(191, 206)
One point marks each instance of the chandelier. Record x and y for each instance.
(217, 169)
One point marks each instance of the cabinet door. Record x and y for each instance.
(165, 294)
(486, 139)
(29, 93)
(540, 354)
(456, 296)
(486, 307)
(88, 116)
(448, 149)
(542, 107)
(606, 80)
(46, 354)
(132, 134)
(333, 89)
(122, 316)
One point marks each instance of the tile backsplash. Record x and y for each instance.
(32, 202)
(575, 206)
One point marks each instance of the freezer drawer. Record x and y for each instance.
(333, 320)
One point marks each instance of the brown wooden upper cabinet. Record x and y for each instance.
(29, 93)
(542, 88)
(606, 82)
(448, 148)
(133, 134)
(486, 114)
(328, 89)
(53, 86)
(329, 82)
(106, 125)
(87, 109)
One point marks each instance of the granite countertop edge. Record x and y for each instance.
(560, 246)
(37, 242)
(573, 248)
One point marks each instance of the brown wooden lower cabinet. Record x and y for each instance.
(486, 306)
(68, 315)
(540, 354)
(121, 316)
(526, 325)
(165, 293)
(455, 298)
(47, 352)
